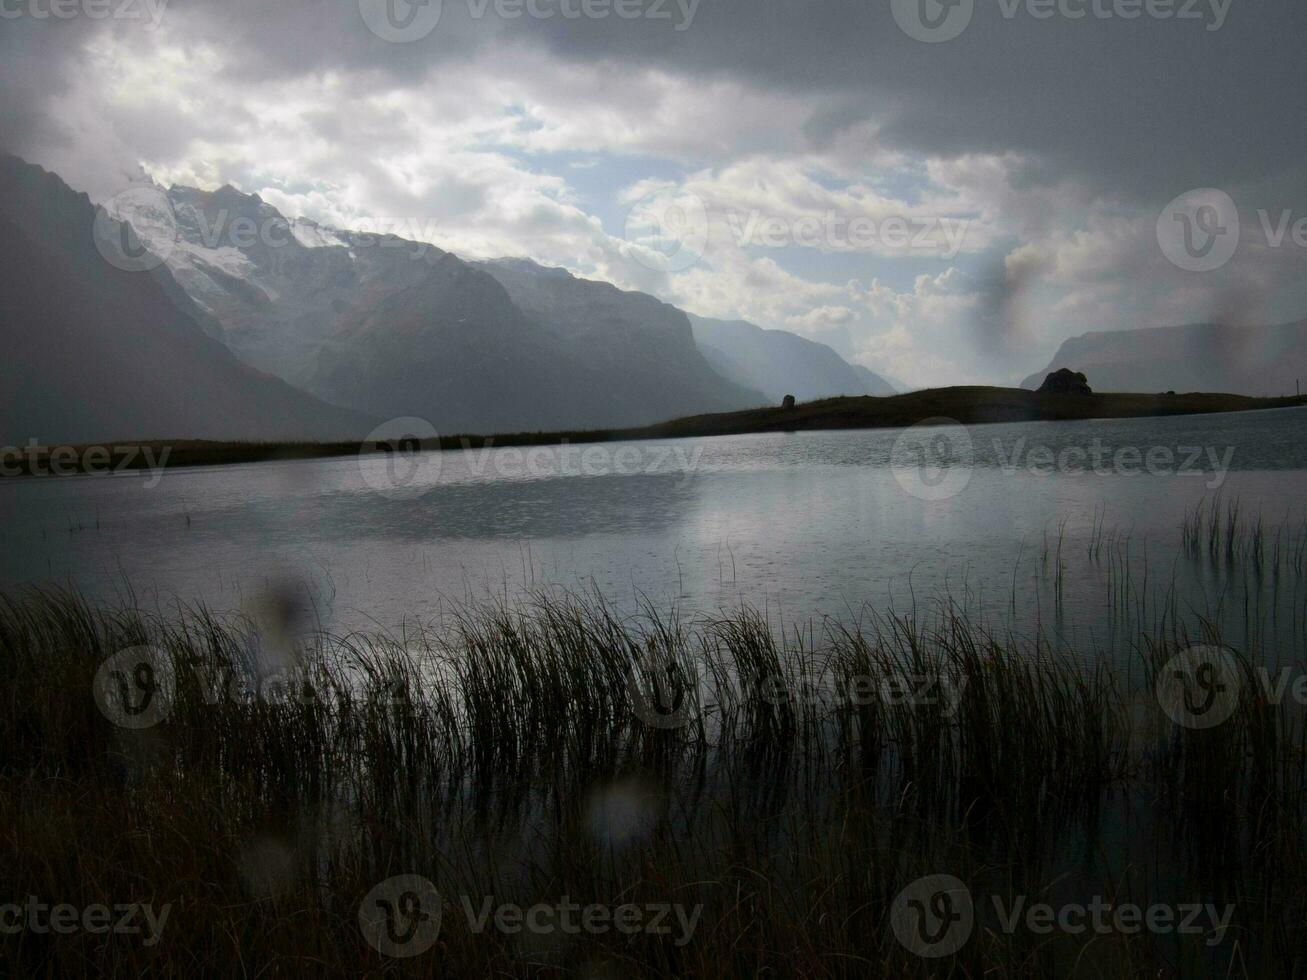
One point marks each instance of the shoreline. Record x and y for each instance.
(965, 405)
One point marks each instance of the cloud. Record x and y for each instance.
(820, 319)
(1051, 144)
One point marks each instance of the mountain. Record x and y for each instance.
(454, 349)
(779, 363)
(645, 347)
(94, 352)
(275, 288)
(1199, 357)
(896, 384)
(393, 327)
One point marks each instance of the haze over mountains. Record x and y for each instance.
(643, 347)
(779, 363)
(394, 327)
(1199, 357)
(388, 327)
(248, 325)
(331, 330)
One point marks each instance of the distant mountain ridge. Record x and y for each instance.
(393, 327)
(766, 364)
(276, 288)
(454, 350)
(632, 335)
(301, 301)
(94, 352)
(1198, 357)
(320, 317)
(779, 363)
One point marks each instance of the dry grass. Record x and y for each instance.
(509, 756)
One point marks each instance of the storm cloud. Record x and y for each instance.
(1054, 131)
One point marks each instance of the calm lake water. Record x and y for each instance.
(800, 524)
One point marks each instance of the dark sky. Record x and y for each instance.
(940, 210)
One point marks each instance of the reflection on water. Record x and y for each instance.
(1094, 533)
(1057, 524)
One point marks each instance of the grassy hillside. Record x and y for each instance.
(967, 405)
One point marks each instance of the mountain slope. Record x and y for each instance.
(398, 328)
(779, 363)
(642, 346)
(274, 287)
(1199, 357)
(455, 350)
(97, 353)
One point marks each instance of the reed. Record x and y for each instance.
(788, 783)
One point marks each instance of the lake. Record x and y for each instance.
(544, 764)
(1044, 524)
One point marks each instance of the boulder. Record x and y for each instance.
(1066, 382)
(787, 401)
